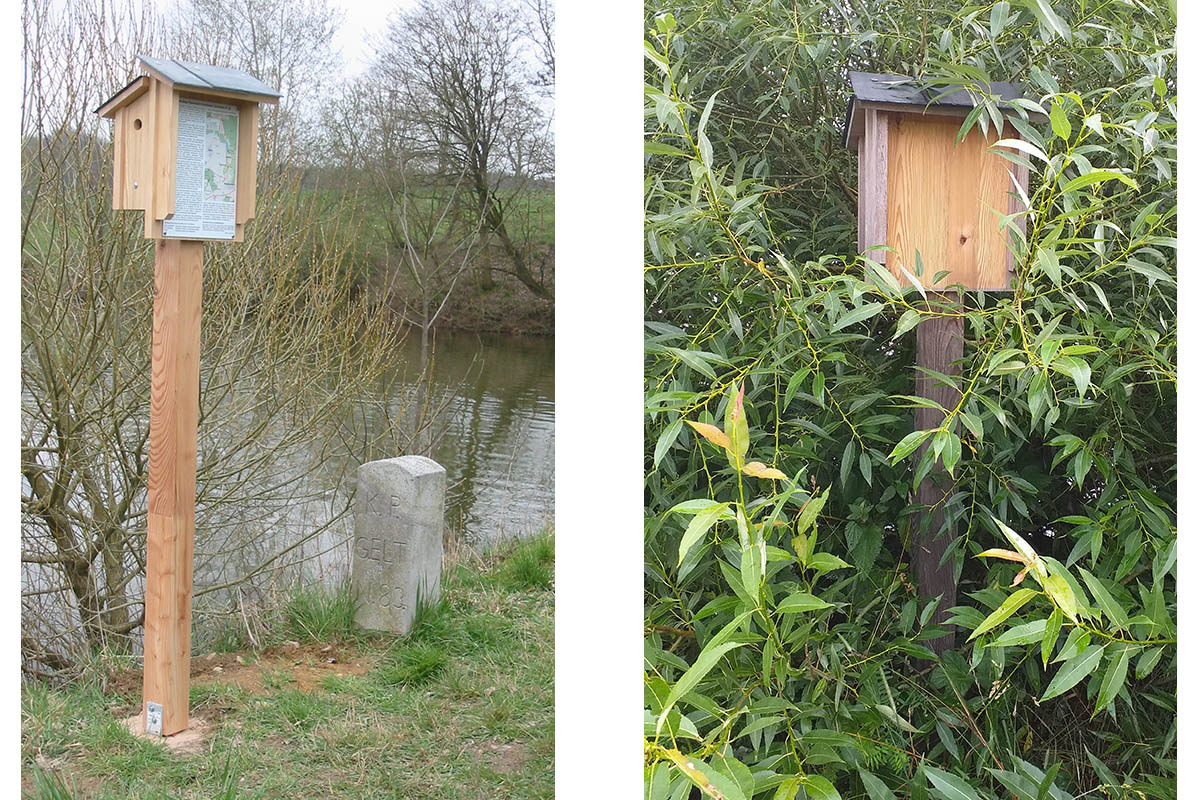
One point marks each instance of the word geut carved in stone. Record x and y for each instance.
(379, 549)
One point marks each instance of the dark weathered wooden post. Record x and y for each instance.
(921, 192)
(185, 150)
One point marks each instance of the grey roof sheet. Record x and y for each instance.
(208, 76)
(874, 87)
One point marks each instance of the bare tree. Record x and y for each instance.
(460, 63)
(541, 33)
(430, 235)
(285, 43)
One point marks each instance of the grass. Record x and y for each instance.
(318, 613)
(462, 707)
(529, 565)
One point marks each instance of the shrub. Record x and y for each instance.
(787, 647)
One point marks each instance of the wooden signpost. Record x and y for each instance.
(921, 192)
(185, 149)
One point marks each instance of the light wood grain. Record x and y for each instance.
(858, 114)
(944, 200)
(873, 201)
(120, 163)
(136, 88)
(133, 154)
(862, 192)
(940, 348)
(247, 161)
(217, 95)
(166, 131)
(174, 411)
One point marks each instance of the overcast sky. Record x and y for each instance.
(363, 19)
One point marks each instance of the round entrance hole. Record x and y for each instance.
(137, 124)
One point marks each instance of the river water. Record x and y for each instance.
(498, 440)
(494, 435)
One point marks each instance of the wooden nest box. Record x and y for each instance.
(921, 191)
(185, 148)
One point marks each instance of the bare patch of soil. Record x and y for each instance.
(302, 665)
(505, 757)
(192, 741)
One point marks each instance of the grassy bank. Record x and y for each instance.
(463, 707)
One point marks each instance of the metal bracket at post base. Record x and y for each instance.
(154, 719)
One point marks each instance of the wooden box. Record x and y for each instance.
(185, 148)
(921, 191)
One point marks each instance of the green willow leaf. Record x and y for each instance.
(658, 148)
(1059, 123)
(1011, 605)
(702, 141)
(892, 716)
(1028, 633)
(708, 658)
(1060, 592)
(1099, 176)
(695, 360)
(1073, 671)
(1113, 680)
(825, 562)
(666, 439)
(1147, 662)
(1050, 636)
(1047, 16)
(1110, 607)
(800, 602)
(818, 787)
(857, 315)
(909, 444)
(788, 789)
(808, 515)
(908, 320)
(700, 525)
(948, 786)
(876, 788)
(1021, 786)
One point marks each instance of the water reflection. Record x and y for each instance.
(498, 445)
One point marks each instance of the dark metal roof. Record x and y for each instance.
(208, 76)
(901, 90)
(873, 87)
(126, 88)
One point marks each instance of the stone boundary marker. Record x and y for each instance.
(399, 510)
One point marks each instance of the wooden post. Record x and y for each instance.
(939, 348)
(174, 412)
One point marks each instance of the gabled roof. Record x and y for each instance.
(207, 76)
(130, 92)
(202, 77)
(900, 93)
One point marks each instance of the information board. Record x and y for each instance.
(205, 172)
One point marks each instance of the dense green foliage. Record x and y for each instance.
(786, 650)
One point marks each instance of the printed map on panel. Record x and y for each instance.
(220, 167)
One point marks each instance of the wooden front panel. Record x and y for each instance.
(247, 165)
(873, 172)
(166, 131)
(133, 156)
(945, 200)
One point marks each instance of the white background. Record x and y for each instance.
(598, 397)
